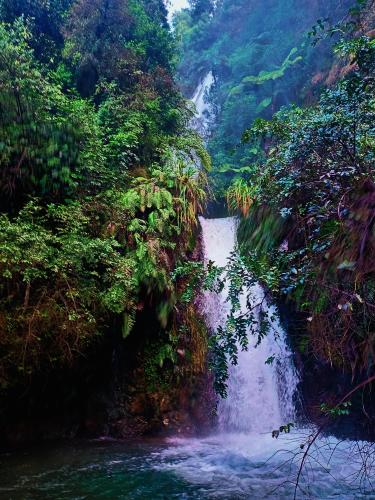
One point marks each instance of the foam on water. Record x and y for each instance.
(241, 459)
(227, 466)
(253, 465)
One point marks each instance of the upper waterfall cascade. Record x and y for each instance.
(204, 111)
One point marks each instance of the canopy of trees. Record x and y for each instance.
(99, 186)
(262, 59)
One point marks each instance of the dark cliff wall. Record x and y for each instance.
(121, 388)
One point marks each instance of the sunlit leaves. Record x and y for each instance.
(241, 196)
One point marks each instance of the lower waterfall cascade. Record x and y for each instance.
(260, 396)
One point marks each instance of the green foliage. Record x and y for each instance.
(240, 196)
(315, 187)
(262, 59)
(266, 76)
(40, 128)
(157, 357)
(199, 277)
(283, 429)
(101, 179)
(337, 411)
(57, 287)
(45, 21)
(201, 8)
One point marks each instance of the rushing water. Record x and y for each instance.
(174, 6)
(240, 460)
(227, 466)
(204, 111)
(260, 395)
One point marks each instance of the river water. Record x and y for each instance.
(239, 460)
(224, 466)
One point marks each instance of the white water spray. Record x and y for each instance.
(260, 395)
(204, 112)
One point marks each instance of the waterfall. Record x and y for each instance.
(260, 396)
(201, 122)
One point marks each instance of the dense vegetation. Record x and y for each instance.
(261, 58)
(102, 180)
(303, 176)
(307, 203)
(317, 184)
(99, 183)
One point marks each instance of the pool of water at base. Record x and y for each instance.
(230, 466)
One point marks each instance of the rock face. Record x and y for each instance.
(118, 403)
(123, 388)
(184, 411)
(320, 382)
